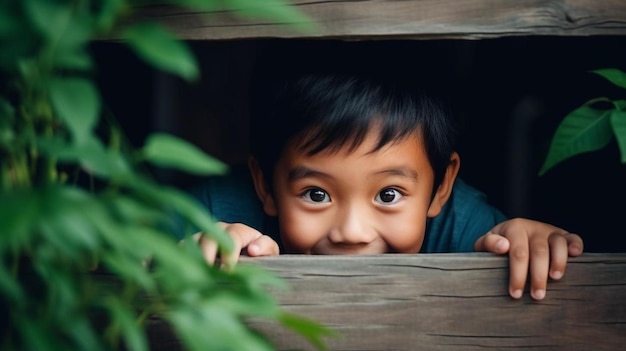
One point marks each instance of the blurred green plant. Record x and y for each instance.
(59, 236)
(591, 126)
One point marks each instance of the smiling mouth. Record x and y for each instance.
(352, 249)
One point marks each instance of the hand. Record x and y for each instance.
(247, 240)
(536, 247)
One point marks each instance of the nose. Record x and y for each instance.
(352, 227)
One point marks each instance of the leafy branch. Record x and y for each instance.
(86, 267)
(589, 127)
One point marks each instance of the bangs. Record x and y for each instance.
(336, 137)
(348, 118)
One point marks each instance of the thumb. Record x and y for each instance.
(263, 246)
(493, 243)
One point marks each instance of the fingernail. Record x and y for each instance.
(557, 275)
(516, 294)
(254, 248)
(539, 294)
(500, 245)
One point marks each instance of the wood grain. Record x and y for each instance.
(449, 302)
(407, 19)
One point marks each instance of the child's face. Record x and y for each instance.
(354, 202)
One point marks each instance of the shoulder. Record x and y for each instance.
(231, 198)
(465, 192)
(471, 208)
(466, 216)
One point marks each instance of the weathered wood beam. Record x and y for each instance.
(449, 302)
(408, 19)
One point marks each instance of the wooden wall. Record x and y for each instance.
(415, 19)
(443, 301)
(451, 302)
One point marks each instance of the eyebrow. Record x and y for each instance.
(301, 172)
(401, 171)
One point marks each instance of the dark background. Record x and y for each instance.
(509, 94)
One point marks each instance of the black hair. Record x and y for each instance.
(328, 111)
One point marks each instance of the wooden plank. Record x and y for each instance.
(449, 302)
(408, 19)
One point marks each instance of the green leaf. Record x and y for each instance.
(583, 130)
(59, 281)
(76, 59)
(77, 102)
(205, 323)
(279, 11)
(129, 268)
(169, 257)
(92, 155)
(169, 151)
(97, 160)
(84, 335)
(77, 33)
(51, 18)
(134, 337)
(258, 278)
(7, 117)
(34, 335)
(618, 122)
(201, 5)
(186, 206)
(276, 10)
(133, 211)
(7, 111)
(162, 49)
(10, 290)
(67, 214)
(258, 303)
(309, 329)
(68, 230)
(19, 39)
(10, 16)
(19, 211)
(108, 14)
(613, 75)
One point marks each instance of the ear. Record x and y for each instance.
(445, 188)
(262, 188)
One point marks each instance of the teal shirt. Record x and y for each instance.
(465, 217)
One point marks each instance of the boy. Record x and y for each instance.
(347, 164)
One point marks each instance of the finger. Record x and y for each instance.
(208, 247)
(574, 244)
(558, 255)
(539, 265)
(263, 246)
(493, 243)
(242, 236)
(519, 256)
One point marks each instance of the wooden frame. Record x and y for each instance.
(445, 302)
(408, 19)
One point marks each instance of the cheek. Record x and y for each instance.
(404, 232)
(300, 231)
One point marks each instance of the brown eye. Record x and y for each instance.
(388, 196)
(316, 195)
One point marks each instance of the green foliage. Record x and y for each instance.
(165, 150)
(590, 128)
(159, 47)
(83, 265)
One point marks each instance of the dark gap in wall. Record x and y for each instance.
(509, 94)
